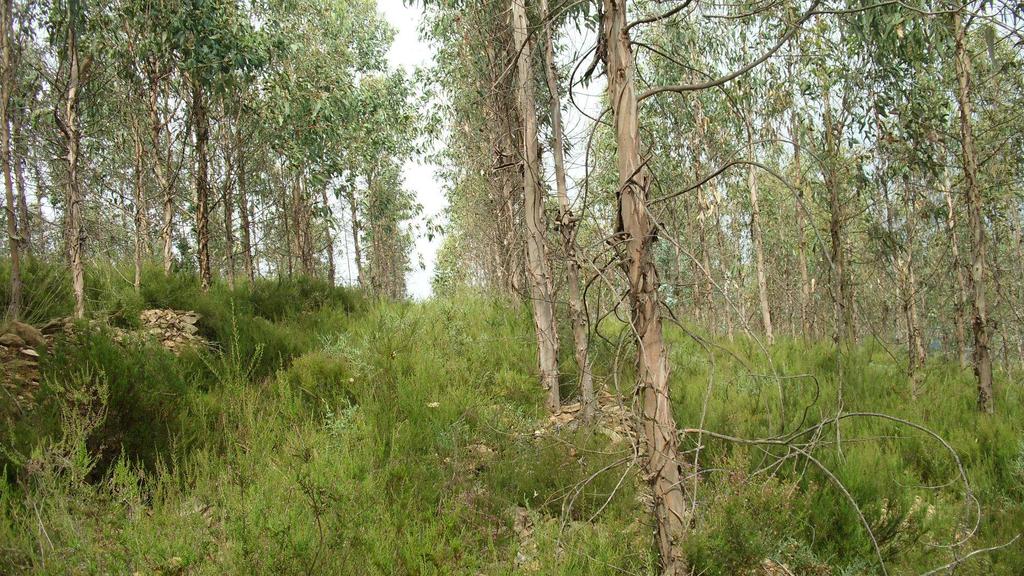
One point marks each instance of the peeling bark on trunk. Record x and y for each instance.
(156, 127)
(567, 226)
(705, 297)
(69, 125)
(975, 222)
(841, 298)
(13, 240)
(637, 233)
(537, 269)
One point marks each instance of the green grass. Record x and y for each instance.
(326, 434)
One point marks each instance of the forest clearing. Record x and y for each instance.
(489, 287)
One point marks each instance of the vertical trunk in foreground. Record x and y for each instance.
(672, 514)
(537, 269)
(915, 336)
(202, 127)
(975, 222)
(75, 228)
(156, 127)
(14, 307)
(567, 226)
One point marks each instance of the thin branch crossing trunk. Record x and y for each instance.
(636, 232)
(567, 226)
(975, 222)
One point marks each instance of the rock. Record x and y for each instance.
(11, 340)
(29, 352)
(30, 334)
(54, 326)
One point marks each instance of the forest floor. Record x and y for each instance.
(313, 432)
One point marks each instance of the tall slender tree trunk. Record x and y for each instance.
(755, 235)
(20, 152)
(353, 207)
(567, 226)
(975, 222)
(706, 297)
(537, 269)
(13, 240)
(202, 127)
(140, 204)
(157, 158)
(837, 219)
(958, 268)
(637, 233)
(801, 226)
(243, 212)
(69, 124)
(915, 348)
(228, 199)
(331, 269)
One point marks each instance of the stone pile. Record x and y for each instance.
(612, 416)
(175, 329)
(19, 366)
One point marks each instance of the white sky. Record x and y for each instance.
(408, 52)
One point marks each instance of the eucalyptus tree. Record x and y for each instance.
(6, 82)
(211, 40)
(67, 22)
(538, 268)
(567, 223)
(475, 58)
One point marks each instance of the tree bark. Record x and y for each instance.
(20, 152)
(331, 270)
(915, 340)
(637, 233)
(958, 268)
(755, 235)
(69, 125)
(139, 201)
(567, 226)
(202, 126)
(537, 268)
(975, 222)
(356, 248)
(838, 273)
(14, 241)
(801, 226)
(227, 197)
(243, 213)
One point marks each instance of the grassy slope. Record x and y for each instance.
(328, 435)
